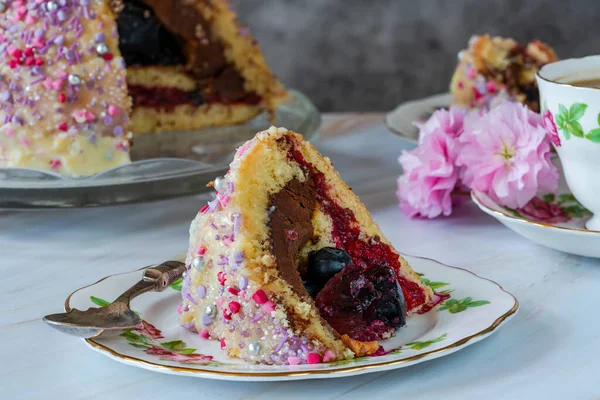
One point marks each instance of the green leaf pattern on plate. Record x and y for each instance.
(146, 337)
(455, 306)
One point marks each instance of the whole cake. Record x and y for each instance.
(493, 69)
(63, 97)
(190, 64)
(286, 266)
(64, 86)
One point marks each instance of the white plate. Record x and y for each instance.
(400, 120)
(477, 307)
(567, 234)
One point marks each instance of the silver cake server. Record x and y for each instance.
(116, 316)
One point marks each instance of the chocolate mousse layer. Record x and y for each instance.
(159, 32)
(291, 228)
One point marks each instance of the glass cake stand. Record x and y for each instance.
(164, 166)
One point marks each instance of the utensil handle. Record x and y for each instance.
(154, 279)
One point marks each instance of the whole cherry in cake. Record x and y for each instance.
(286, 266)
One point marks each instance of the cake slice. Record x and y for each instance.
(63, 97)
(495, 68)
(190, 65)
(286, 265)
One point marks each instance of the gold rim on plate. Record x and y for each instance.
(482, 204)
(135, 360)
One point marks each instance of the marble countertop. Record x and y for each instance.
(547, 351)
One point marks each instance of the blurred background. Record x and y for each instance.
(359, 55)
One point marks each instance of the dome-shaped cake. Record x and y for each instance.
(286, 265)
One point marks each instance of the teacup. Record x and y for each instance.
(572, 115)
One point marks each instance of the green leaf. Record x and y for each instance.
(465, 300)
(565, 132)
(447, 291)
(177, 284)
(186, 351)
(563, 112)
(174, 345)
(575, 128)
(478, 303)
(560, 121)
(99, 302)
(457, 309)
(451, 302)
(141, 346)
(576, 111)
(594, 135)
(549, 197)
(566, 197)
(437, 285)
(598, 118)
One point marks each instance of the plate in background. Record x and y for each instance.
(400, 120)
(166, 165)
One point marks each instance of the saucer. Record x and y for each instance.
(400, 120)
(553, 220)
(472, 308)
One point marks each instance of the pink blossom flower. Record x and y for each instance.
(551, 128)
(149, 330)
(541, 211)
(505, 155)
(165, 354)
(429, 177)
(449, 121)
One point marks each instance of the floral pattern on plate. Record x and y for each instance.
(160, 344)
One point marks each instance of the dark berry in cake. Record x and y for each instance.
(311, 288)
(325, 263)
(367, 305)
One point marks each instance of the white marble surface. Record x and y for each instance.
(550, 350)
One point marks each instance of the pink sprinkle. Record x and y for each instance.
(294, 360)
(260, 297)
(201, 250)
(234, 306)
(219, 302)
(269, 307)
(30, 19)
(57, 84)
(9, 131)
(291, 234)
(222, 343)
(179, 310)
(25, 142)
(203, 209)
(491, 86)
(112, 110)
(61, 74)
(471, 73)
(328, 356)
(204, 334)
(38, 42)
(48, 83)
(79, 115)
(224, 200)
(55, 164)
(313, 358)
(89, 116)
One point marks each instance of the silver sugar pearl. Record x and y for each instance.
(102, 49)
(197, 263)
(254, 348)
(3, 6)
(211, 310)
(219, 184)
(51, 5)
(74, 79)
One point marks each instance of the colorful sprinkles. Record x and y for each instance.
(57, 80)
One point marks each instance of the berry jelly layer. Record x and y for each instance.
(165, 98)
